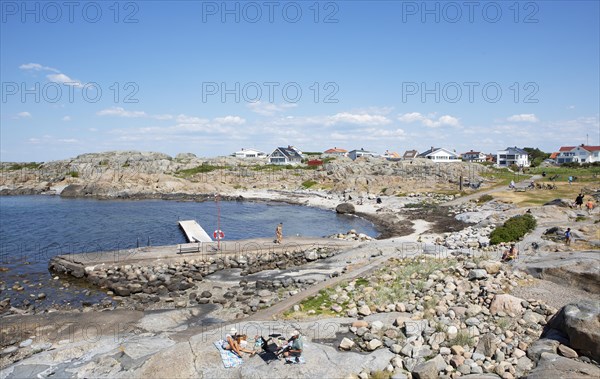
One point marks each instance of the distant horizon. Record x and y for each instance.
(210, 77)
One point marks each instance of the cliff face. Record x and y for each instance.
(149, 174)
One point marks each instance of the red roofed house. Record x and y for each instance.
(579, 154)
(336, 152)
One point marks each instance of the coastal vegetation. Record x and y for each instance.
(513, 229)
(204, 168)
(24, 166)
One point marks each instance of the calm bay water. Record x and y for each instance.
(33, 229)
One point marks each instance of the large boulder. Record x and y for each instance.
(427, 370)
(344, 208)
(507, 304)
(555, 366)
(559, 203)
(580, 322)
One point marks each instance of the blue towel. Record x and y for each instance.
(229, 358)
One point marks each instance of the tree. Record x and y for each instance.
(536, 156)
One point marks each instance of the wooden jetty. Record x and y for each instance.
(194, 232)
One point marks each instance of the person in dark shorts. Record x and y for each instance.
(295, 346)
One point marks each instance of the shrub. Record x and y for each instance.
(513, 229)
(74, 174)
(484, 199)
(308, 183)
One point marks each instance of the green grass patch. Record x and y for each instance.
(73, 174)
(462, 338)
(308, 183)
(361, 282)
(199, 170)
(583, 173)
(484, 199)
(502, 176)
(513, 229)
(24, 166)
(580, 218)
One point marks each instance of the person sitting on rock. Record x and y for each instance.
(231, 343)
(295, 346)
(510, 254)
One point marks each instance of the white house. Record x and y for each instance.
(285, 155)
(512, 155)
(579, 154)
(361, 153)
(336, 152)
(250, 153)
(474, 156)
(439, 154)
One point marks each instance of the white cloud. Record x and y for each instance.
(269, 109)
(37, 67)
(232, 120)
(571, 107)
(526, 117)
(67, 140)
(429, 120)
(21, 115)
(358, 119)
(64, 79)
(66, 118)
(121, 112)
(184, 119)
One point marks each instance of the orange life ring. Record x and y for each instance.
(218, 234)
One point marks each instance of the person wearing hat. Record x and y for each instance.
(232, 344)
(296, 346)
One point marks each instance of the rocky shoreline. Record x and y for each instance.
(433, 300)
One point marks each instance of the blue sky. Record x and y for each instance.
(213, 77)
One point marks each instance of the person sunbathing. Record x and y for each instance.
(510, 254)
(232, 342)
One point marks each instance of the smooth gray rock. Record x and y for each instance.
(581, 323)
(345, 208)
(535, 350)
(556, 367)
(427, 370)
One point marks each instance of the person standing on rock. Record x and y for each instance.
(579, 201)
(279, 233)
(568, 236)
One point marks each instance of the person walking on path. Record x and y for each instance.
(279, 233)
(579, 201)
(568, 237)
(590, 206)
(570, 180)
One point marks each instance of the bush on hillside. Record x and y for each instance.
(513, 229)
